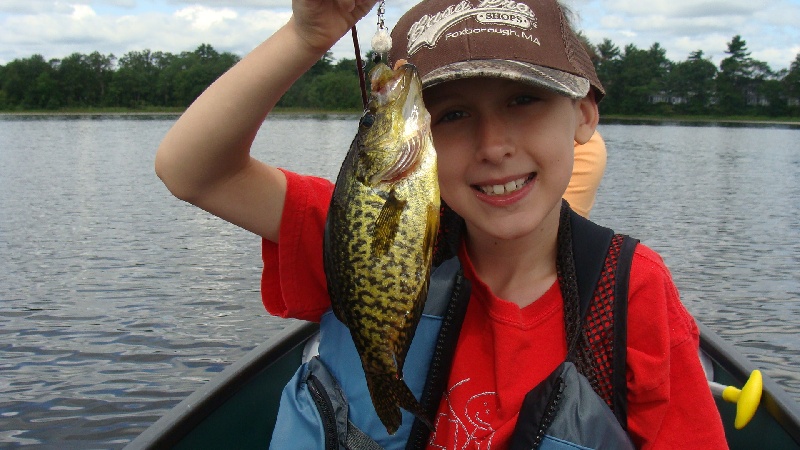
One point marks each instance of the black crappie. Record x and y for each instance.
(380, 233)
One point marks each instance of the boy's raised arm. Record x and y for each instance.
(205, 158)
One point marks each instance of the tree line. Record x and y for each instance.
(637, 82)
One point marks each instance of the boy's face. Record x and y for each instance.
(505, 151)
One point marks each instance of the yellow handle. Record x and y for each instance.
(746, 399)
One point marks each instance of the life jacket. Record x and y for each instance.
(327, 405)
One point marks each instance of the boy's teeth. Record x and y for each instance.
(500, 189)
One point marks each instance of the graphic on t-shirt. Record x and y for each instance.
(466, 425)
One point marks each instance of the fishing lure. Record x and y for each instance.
(381, 41)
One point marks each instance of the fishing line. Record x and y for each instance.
(381, 44)
(360, 64)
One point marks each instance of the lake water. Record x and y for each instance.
(117, 300)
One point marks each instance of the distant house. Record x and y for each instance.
(665, 97)
(753, 98)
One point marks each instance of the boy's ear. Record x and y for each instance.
(588, 118)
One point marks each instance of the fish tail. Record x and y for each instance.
(392, 393)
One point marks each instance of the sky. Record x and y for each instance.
(58, 28)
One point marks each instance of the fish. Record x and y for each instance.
(380, 233)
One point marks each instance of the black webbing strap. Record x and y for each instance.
(590, 244)
(619, 381)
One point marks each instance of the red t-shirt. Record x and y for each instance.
(504, 351)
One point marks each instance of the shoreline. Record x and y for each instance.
(115, 112)
(701, 119)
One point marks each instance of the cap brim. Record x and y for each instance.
(557, 81)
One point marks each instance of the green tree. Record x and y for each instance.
(195, 71)
(18, 89)
(337, 90)
(791, 85)
(136, 79)
(607, 67)
(299, 95)
(734, 76)
(102, 67)
(693, 81)
(641, 74)
(83, 78)
(45, 89)
(634, 79)
(763, 90)
(163, 94)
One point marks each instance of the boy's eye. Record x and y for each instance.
(523, 99)
(451, 116)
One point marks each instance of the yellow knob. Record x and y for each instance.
(746, 399)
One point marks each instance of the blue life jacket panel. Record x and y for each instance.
(301, 423)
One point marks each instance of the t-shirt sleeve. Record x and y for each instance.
(669, 401)
(293, 282)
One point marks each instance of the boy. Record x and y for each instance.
(510, 90)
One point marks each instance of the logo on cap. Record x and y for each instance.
(429, 28)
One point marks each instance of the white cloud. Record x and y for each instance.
(80, 27)
(681, 26)
(80, 12)
(204, 18)
(684, 8)
(57, 28)
(249, 4)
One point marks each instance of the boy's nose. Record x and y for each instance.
(493, 142)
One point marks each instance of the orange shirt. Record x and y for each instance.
(590, 164)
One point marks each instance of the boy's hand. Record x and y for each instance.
(320, 23)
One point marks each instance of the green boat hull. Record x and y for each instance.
(238, 408)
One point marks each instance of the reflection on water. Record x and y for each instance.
(117, 301)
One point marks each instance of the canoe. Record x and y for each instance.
(238, 408)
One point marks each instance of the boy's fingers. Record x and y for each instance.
(365, 5)
(359, 8)
(346, 5)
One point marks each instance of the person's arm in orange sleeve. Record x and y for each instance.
(590, 164)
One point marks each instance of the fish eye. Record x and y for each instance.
(367, 120)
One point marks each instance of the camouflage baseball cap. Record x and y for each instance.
(529, 41)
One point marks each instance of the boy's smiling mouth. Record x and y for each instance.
(507, 188)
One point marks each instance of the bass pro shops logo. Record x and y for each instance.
(429, 28)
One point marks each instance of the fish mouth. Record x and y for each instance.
(505, 188)
(387, 84)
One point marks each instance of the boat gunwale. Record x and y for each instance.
(783, 408)
(181, 420)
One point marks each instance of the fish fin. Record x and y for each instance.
(431, 231)
(387, 224)
(390, 394)
(330, 264)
